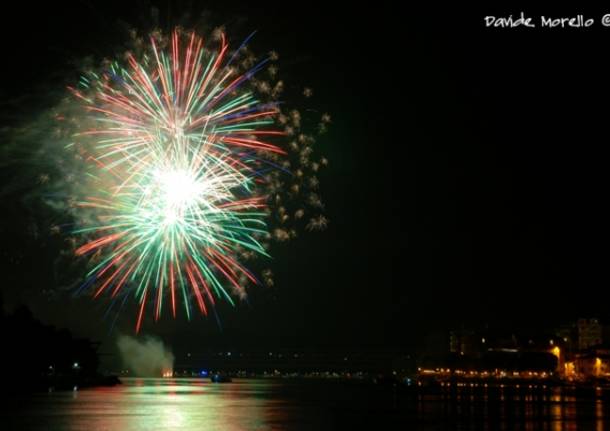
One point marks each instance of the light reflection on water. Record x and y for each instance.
(158, 404)
(260, 404)
(509, 408)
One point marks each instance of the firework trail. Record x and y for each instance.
(185, 149)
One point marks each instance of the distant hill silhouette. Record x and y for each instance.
(37, 356)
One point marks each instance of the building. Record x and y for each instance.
(589, 333)
(594, 363)
(464, 342)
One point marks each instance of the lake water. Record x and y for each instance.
(188, 404)
(265, 404)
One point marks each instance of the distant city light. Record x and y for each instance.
(556, 351)
(598, 366)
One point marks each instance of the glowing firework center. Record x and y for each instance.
(179, 191)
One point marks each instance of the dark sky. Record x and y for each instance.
(467, 179)
(508, 172)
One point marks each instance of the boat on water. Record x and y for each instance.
(220, 378)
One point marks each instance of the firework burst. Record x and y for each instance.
(184, 149)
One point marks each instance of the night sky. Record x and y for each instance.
(466, 182)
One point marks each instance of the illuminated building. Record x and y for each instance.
(594, 363)
(464, 342)
(589, 333)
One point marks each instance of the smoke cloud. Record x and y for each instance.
(145, 356)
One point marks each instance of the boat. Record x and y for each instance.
(220, 378)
